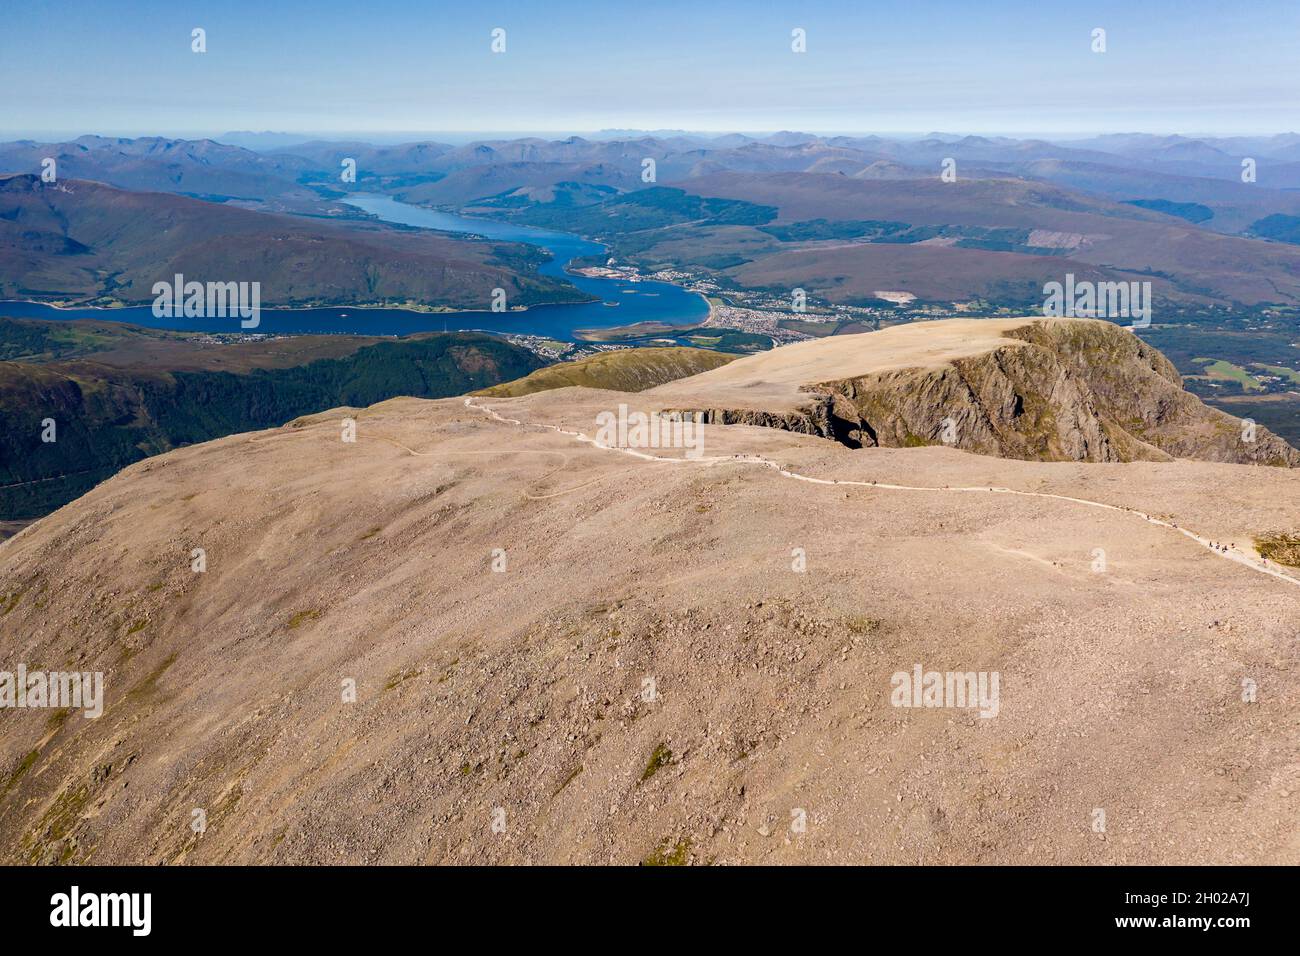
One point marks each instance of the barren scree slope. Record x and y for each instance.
(503, 716)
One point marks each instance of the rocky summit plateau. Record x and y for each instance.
(1039, 389)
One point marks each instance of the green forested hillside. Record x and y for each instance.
(108, 416)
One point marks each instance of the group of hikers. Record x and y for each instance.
(1225, 548)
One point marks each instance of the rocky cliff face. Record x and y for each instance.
(1059, 390)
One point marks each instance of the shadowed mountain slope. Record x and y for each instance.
(77, 241)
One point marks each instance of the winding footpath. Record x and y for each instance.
(1239, 557)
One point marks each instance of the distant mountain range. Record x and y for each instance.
(200, 168)
(281, 167)
(1172, 210)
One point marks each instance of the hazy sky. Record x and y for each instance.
(125, 66)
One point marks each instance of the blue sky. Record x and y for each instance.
(125, 66)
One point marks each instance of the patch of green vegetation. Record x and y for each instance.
(637, 331)
(1282, 370)
(137, 626)
(400, 676)
(567, 780)
(58, 823)
(650, 336)
(110, 417)
(678, 855)
(302, 617)
(859, 624)
(1002, 245)
(10, 602)
(149, 685)
(1223, 371)
(811, 230)
(1282, 548)
(1191, 211)
(1278, 227)
(818, 329)
(913, 441)
(997, 238)
(227, 804)
(23, 766)
(660, 758)
(37, 341)
(734, 340)
(619, 215)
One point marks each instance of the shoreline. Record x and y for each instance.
(118, 311)
(313, 308)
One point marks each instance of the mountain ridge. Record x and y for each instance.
(1041, 389)
(521, 691)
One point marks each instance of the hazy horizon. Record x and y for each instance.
(460, 137)
(400, 65)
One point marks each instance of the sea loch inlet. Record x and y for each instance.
(620, 301)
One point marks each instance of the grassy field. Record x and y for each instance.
(621, 333)
(1287, 373)
(1223, 371)
(818, 329)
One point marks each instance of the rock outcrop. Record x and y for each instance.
(1051, 390)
